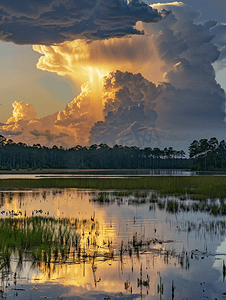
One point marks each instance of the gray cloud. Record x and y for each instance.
(132, 102)
(130, 89)
(189, 47)
(191, 109)
(137, 134)
(48, 134)
(54, 21)
(118, 121)
(219, 40)
(8, 133)
(191, 99)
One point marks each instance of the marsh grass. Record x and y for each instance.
(140, 197)
(37, 237)
(172, 206)
(137, 201)
(199, 197)
(101, 198)
(212, 208)
(207, 186)
(122, 193)
(140, 194)
(193, 202)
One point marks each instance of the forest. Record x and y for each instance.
(208, 155)
(204, 155)
(16, 156)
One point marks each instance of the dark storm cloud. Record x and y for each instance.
(130, 89)
(191, 108)
(8, 133)
(48, 134)
(133, 102)
(54, 21)
(118, 121)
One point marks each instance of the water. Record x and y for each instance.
(126, 250)
(106, 173)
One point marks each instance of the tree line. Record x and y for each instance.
(22, 156)
(208, 155)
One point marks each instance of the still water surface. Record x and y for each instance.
(125, 250)
(105, 173)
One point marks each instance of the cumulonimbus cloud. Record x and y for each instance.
(55, 21)
(176, 90)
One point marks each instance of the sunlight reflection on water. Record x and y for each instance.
(126, 251)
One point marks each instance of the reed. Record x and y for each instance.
(172, 206)
(39, 237)
(102, 198)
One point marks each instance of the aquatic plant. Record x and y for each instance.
(122, 193)
(140, 194)
(101, 198)
(172, 206)
(39, 237)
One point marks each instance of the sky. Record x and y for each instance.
(112, 71)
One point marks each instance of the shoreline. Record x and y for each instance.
(79, 171)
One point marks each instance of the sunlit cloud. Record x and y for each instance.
(80, 115)
(22, 111)
(83, 61)
(175, 89)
